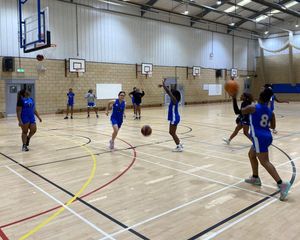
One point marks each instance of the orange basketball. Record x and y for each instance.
(146, 130)
(231, 87)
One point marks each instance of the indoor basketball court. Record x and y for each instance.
(74, 164)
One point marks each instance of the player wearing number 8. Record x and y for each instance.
(261, 120)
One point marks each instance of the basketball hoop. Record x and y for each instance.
(79, 71)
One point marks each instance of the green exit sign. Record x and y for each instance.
(20, 70)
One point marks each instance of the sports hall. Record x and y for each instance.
(187, 179)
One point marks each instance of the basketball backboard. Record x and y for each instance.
(196, 71)
(76, 65)
(33, 26)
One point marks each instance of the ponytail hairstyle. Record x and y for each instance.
(266, 95)
(248, 97)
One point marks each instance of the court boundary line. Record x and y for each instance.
(79, 198)
(251, 206)
(270, 196)
(61, 203)
(173, 209)
(240, 220)
(2, 235)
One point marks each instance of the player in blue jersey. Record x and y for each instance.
(25, 113)
(242, 121)
(116, 118)
(261, 120)
(173, 115)
(91, 98)
(272, 102)
(70, 103)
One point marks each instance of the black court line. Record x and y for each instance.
(249, 207)
(104, 152)
(88, 142)
(79, 199)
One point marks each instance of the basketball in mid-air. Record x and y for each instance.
(39, 57)
(146, 130)
(231, 87)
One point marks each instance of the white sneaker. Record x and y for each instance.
(274, 131)
(111, 145)
(178, 149)
(226, 141)
(181, 145)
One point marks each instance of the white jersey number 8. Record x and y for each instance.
(264, 120)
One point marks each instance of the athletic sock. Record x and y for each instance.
(279, 182)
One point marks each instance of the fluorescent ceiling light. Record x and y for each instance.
(112, 3)
(260, 18)
(266, 32)
(219, 2)
(290, 4)
(186, 12)
(231, 24)
(233, 8)
(244, 2)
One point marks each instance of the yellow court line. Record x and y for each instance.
(54, 215)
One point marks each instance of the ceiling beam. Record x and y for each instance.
(254, 16)
(147, 6)
(207, 11)
(254, 11)
(278, 6)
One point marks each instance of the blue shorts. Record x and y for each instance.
(28, 119)
(138, 104)
(70, 104)
(261, 143)
(132, 100)
(243, 121)
(116, 122)
(91, 104)
(176, 122)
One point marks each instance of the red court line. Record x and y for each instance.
(2, 235)
(89, 193)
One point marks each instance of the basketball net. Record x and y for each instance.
(79, 72)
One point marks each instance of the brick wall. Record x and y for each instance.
(52, 85)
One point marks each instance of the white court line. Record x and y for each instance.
(62, 204)
(171, 210)
(239, 220)
(188, 203)
(97, 199)
(194, 168)
(293, 160)
(201, 177)
(159, 180)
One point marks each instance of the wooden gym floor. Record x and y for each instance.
(143, 190)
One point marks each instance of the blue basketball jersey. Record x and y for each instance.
(118, 110)
(260, 131)
(28, 108)
(260, 120)
(70, 98)
(173, 114)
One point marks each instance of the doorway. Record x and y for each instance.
(12, 89)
